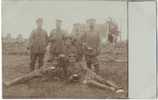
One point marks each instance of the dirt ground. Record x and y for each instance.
(17, 65)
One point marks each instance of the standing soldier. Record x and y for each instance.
(91, 42)
(76, 34)
(113, 31)
(56, 39)
(38, 41)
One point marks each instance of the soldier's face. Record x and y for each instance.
(72, 58)
(91, 26)
(77, 29)
(39, 24)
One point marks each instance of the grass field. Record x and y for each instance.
(17, 65)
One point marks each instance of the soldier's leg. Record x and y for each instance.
(97, 80)
(88, 62)
(80, 53)
(63, 64)
(50, 57)
(99, 85)
(50, 52)
(33, 58)
(96, 68)
(65, 73)
(96, 64)
(93, 76)
(24, 78)
(41, 60)
(102, 80)
(89, 65)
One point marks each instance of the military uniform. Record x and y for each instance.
(76, 35)
(56, 39)
(113, 32)
(91, 39)
(71, 54)
(92, 49)
(38, 43)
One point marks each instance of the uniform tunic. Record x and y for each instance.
(78, 43)
(92, 40)
(38, 42)
(113, 32)
(57, 41)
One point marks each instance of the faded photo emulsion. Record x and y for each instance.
(64, 49)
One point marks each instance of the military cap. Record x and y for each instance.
(92, 20)
(40, 19)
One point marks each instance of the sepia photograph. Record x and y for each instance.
(64, 49)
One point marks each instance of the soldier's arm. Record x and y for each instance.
(51, 36)
(47, 38)
(118, 30)
(65, 33)
(107, 28)
(98, 43)
(31, 38)
(83, 37)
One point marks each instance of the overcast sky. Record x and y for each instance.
(19, 17)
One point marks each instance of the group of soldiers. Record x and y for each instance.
(82, 45)
(65, 53)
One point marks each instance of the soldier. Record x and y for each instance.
(56, 40)
(68, 49)
(78, 72)
(76, 34)
(113, 31)
(38, 42)
(91, 42)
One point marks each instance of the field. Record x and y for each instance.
(113, 65)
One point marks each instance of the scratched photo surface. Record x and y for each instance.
(64, 49)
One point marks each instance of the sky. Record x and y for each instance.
(19, 17)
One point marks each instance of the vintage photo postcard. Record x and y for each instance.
(64, 49)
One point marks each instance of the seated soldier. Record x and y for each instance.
(80, 73)
(77, 72)
(70, 49)
(74, 68)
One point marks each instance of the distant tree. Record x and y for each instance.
(8, 38)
